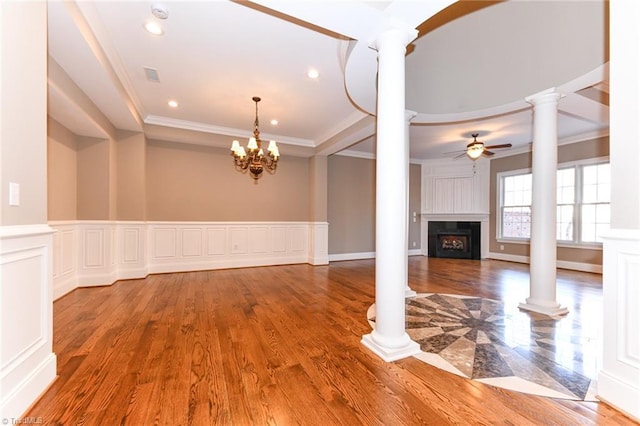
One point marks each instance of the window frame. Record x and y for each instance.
(577, 209)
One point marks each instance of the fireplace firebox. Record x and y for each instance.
(458, 240)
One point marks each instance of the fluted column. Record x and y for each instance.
(408, 116)
(542, 267)
(389, 339)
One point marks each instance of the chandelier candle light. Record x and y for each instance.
(253, 158)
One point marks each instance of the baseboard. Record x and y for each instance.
(64, 285)
(621, 395)
(351, 256)
(365, 255)
(16, 403)
(562, 264)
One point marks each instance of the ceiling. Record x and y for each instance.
(468, 71)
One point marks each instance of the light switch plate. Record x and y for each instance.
(14, 194)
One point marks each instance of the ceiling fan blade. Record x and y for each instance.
(458, 151)
(504, 145)
(460, 155)
(488, 153)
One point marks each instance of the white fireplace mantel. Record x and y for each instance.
(456, 191)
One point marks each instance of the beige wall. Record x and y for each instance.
(594, 148)
(131, 176)
(351, 215)
(352, 203)
(62, 172)
(23, 111)
(198, 183)
(94, 169)
(415, 193)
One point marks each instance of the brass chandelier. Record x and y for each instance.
(254, 159)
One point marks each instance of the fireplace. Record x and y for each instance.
(457, 240)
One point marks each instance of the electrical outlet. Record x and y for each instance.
(413, 244)
(501, 247)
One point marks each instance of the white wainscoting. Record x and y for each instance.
(619, 377)
(27, 361)
(92, 253)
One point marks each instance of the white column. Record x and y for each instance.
(542, 287)
(408, 116)
(389, 339)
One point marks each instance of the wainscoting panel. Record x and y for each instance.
(216, 241)
(110, 250)
(27, 361)
(299, 240)
(259, 240)
(619, 377)
(130, 245)
(239, 240)
(192, 242)
(165, 242)
(94, 243)
(130, 250)
(279, 239)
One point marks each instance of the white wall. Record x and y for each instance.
(619, 377)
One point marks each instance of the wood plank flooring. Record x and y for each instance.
(280, 346)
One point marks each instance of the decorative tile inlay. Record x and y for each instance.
(474, 338)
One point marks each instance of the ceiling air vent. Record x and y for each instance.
(152, 74)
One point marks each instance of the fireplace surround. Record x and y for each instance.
(454, 239)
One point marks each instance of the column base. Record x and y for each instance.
(551, 309)
(409, 293)
(391, 354)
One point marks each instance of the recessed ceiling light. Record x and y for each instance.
(274, 122)
(312, 73)
(154, 28)
(173, 104)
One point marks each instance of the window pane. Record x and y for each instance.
(588, 232)
(589, 194)
(564, 228)
(595, 220)
(517, 190)
(596, 183)
(603, 213)
(566, 189)
(516, 222)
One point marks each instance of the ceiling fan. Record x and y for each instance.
(476, 148)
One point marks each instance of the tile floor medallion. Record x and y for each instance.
(525, 352)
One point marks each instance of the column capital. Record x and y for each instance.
(400, 33)
(546, 96)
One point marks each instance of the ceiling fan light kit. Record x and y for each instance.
(476, 148)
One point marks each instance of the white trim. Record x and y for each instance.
(97, 253)
(366, 255)
(219, 130)
(561, 264)
(20, 231)
(352, 256)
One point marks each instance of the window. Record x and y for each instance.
(583, 203)
(566, 199)
(596, 197)
(516, 208)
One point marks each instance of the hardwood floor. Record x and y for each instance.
(281, 345)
